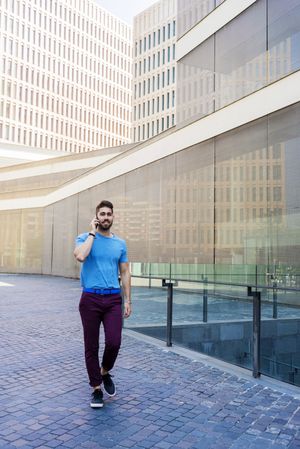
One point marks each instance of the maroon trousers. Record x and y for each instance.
(96, 309)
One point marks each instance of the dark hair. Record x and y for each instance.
(104, 203)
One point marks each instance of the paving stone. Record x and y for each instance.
(164, 400)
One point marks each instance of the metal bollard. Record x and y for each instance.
(169, 284)
(205, 303)
(256, 330)
(275, 307)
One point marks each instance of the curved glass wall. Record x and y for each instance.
(227, 208)
(258, 47)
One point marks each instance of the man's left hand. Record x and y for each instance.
(127, 309)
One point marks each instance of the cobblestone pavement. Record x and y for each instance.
(164, 400)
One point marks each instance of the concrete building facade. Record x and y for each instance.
(154, 70)
(65, 75)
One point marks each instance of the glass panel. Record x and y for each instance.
(283, 37)
(31, 242)
(282, 218)
(194, 192)
(195, 87)
(86, 211)
(21, 241)
(115, 192)
(47, 240)
(241, 55)
(191, 12)
(150, 309)
(241, 189)
(64, 233)
(10, 240)
(39, 182)
(280, 338)
(150, 212)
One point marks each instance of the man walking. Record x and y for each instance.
(104, 257)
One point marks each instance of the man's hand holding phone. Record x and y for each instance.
(94, 224)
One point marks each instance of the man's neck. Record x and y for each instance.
(107, 233)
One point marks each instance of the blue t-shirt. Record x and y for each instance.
(101, 268)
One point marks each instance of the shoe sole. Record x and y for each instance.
(108, 394)
(96, 405)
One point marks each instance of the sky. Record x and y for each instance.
(126, 9)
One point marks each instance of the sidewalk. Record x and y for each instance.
(164, 399)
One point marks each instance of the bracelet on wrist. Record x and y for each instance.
(90, 233)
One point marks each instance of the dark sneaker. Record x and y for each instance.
(97, 399)
(108, 385)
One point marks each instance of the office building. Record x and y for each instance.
(154, 70)
(65, 75)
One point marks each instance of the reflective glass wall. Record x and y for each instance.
(256, 48)
(190, 12)
(228, 207)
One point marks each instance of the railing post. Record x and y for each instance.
(205, 304)
(169, 310)
(149, 275)
(256, 330)
(275, 309)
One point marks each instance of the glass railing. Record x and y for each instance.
(254, 326)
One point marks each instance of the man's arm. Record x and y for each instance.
(82, 251)
(126, 285)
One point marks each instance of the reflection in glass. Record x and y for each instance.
(195, 88)
(241, 55)
(227, 209)
(241, 193)
(283, 37)
(191, 12)
(64, 233)
(213, 76)
(194, 191)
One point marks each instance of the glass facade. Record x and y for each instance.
(190, 12)
(256, 48)
(229, 204)
(21, 234)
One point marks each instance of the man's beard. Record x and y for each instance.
(105, 226)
